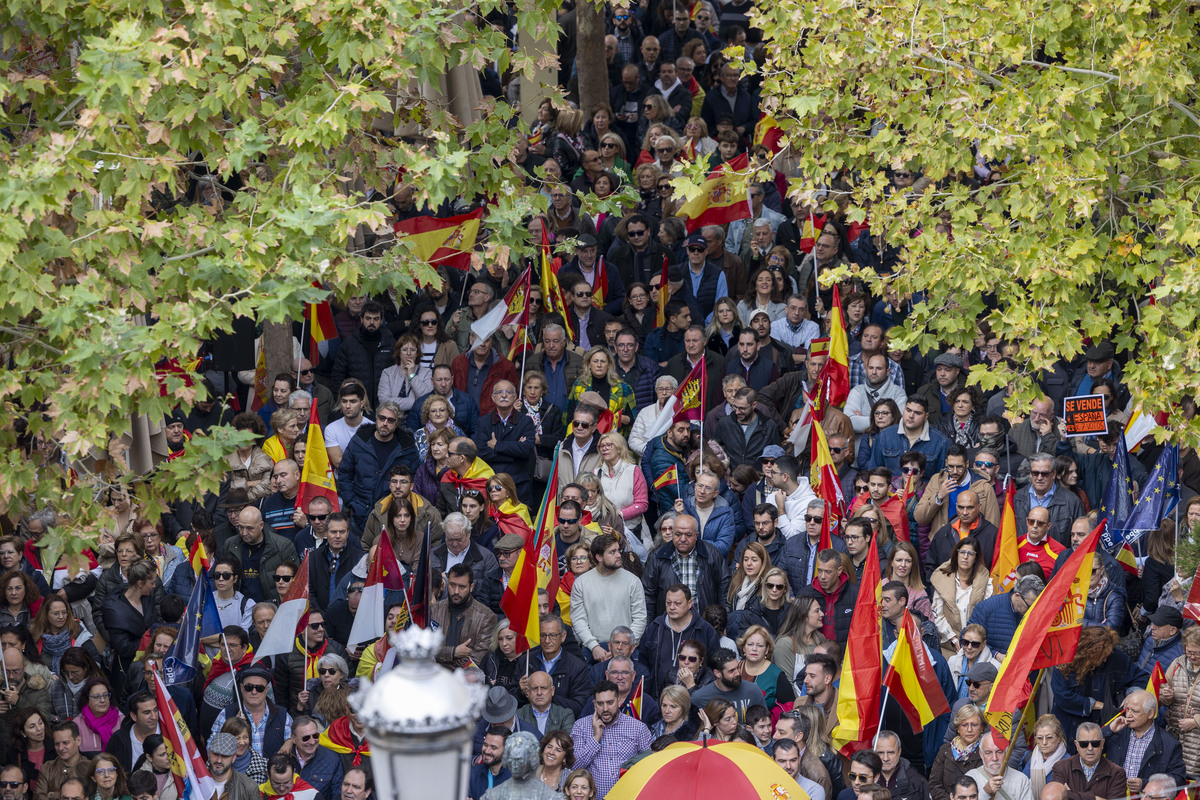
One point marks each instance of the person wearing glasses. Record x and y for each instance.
(312, 643)
(319, 767)
(638, 255)
(99, 718)
(972, 652)
(257, 552)
(506, 440)
(1088, 775)
(108, 779)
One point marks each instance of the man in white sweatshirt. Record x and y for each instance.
(878, 386)
(605, 598)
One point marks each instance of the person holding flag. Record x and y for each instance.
(607, 285)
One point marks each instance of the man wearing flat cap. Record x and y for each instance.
(948, 377)
(231, 784)
(1099, 363)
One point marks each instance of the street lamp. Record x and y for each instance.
(420, 722)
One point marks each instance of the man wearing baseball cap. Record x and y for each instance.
(703, 282)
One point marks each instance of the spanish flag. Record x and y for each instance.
(442, 241)
(723, 197)
(536, 568)
(476, 477)
(768, 134)
(259, 398)
(198, 556)
(321, 327)
(862, 670)
(1007, 557)
(823, 476)
(1157, 679)
(317, 479)
(686, 404)
(838, 365)
(600, 290)
(664, 294)
(553, 300)
(1047, 636)
(668, 478)
(635, 699)
(910, 677)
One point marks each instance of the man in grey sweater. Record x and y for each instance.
(605, 598)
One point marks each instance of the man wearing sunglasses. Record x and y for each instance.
(638, 256)
(1061, 504)
(1088, 774)
(270, 724)
(320, 767)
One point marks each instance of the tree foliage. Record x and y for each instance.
(111, 111)
(1089, 111)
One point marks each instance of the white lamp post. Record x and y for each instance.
(420, 720)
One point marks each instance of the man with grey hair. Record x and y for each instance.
(664, 387)
(480, 299)
(369, 458)
(301, 402)
(321, 394)
(1160, 786)
(319, 766)
(1000, 614)
(620, 670)
(1087, 774)
(995, 779)
(560, 365)
(622, 645)
(1043, 492)
(1144, 749)
(754, 253)
(457, 547)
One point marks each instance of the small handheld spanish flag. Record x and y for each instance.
(668, 478)
(1157, 679)
(198, 556)
(635, 700)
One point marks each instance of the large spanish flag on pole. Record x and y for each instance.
(911, 678)
(1007, 555)
(553, 300)
(723, 197)
(508, 312)
(316, 480)
(442, 241)
(536, 568)
(1047, 636)
(862, 669)
(824, 478)
(838, 364)
(187, 767)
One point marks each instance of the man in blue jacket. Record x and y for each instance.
(319, 765)
(913, 433)
(368, 459)
(706, 504)
(1000, 614)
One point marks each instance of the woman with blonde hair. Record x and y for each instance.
(506, 509)
(600, 376)
(604, 512)
(1050, 747)
(435, 415)
(747, 579)
(757, 646)
(696, 141)
(675, 704)
(723, 330)
(623, 481)
(770, 607)
(287, 426)
(904, 565)
(613, 156)
(960, 755)
(249, 467)
(1180, 697)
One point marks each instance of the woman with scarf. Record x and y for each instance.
(130, 549)
(286, 425)
(960, 755)
(510, 514)
(1050, 748)
(401, 527)
(958, 586)
(167, 557)
(219, 693)
(75, 668)
(99, 719)
(29, 742)
(435, 416)
(1093, 685)
(434, 465)
(55, 629)
(246, 760)
(747, 579)
(600, 376)
(156, 759)
(547, 420)
(961, 425)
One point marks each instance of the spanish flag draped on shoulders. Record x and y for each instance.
(341, 738)
(476, 477)
(513, 517)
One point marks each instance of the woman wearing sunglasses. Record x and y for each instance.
(323, 693)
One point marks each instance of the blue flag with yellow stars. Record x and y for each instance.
(200, 620)
(1158, 497)
(1117, 503)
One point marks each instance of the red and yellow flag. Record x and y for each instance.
(553, 299)
(664, 294)
(198, 556)
(1007, 556)
(536, 568)
(668, 478)
(1047, 636)
(600, 290)
(838, 365)
(316, 480)
(911, 678)
(635, 699)
(442, 241)
(321, 327)
(723, 197)
(824, 477)
(476, 477)
(1157, 679)
(259, 399)
(862, 668)
(768, 133)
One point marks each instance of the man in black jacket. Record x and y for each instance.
(332, 562)
(142, 721)
(572, 681)
(659, 647)
(368, 460)
(505, 439)
(745, 433)
(367, 353)
(705, 571)
(639, 256)
(458, 548)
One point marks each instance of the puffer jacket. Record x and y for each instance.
(1183, 679)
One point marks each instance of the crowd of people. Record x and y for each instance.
(695, 601)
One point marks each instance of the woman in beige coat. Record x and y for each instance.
(1180, 695)
(958, 586)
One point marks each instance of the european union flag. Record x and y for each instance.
(200, 620)
(1117, 503)
(1158, 498)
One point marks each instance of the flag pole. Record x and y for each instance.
(236, 693)
(303, 327)
(882, 708)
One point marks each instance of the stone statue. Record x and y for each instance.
(521, 758)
